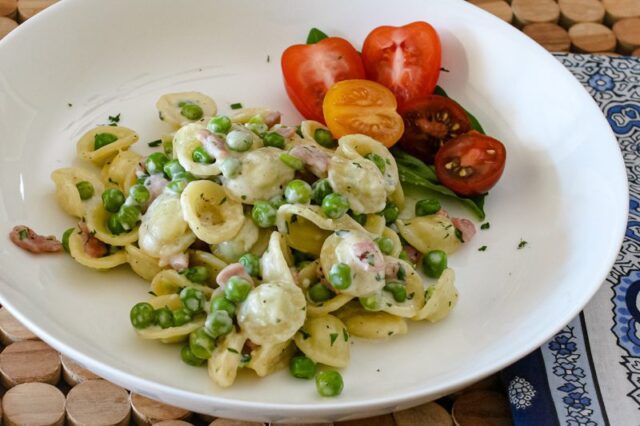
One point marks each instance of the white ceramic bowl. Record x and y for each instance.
(563, 190)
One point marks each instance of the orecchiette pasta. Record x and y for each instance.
(77, 251)
(441, 298)
(325, 339)
(427, 233)
(413, 287)
(328, 306)
(209, 261)
(97, 218)
(184, 143)
(267, 359)
(308, 129)
(371, 325)
(170, 107)
(375, 224)
(276, 261)
(360, 181)
(225, 360)
(142, 264)
(121, 171)
(169, 281)
(231, 250)
(67, 193)
(101, 144)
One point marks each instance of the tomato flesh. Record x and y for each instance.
(429, 123)
(405, 59)
(309, 70)
(471, 164)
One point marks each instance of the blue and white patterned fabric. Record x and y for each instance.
(589, 372)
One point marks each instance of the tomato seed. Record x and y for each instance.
(491, 151)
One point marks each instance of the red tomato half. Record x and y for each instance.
(309, 70)
(471, 164)
(405, 59)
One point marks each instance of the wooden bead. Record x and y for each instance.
(29, 8)
(627, 31)
(428, 414)
(230, 422)
(205, 418)
(386, 420)
(620, 9)
(29, 361)
(172, 423)
(33, 404)
(302, 424)
(9, 8)
(552, 37)
(501, 8)
(588, 37)
(575, 11)
(482, 408)
(10, 328)
(636, 52)
(73, 373)
(6, 26)
(147, 411)
(98, 402)
(532, 11)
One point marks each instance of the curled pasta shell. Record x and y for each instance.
(67, 193)
(225, 360)
(163, 232)
(76, 249)
(141, 263)
(375, 224)
(86, 145)
(209, 261)
(324, 339)
(427, 233)
(441, 298)
(328, 306)
(309, 274)
(171, 334)
(97, 218)
(231, 250)
(395, 239)
(169, 281)
(276, 260)
(184, 143)
(414, 289)
(360, 181)
(121, 171)
(371, 325)
(243, 115)
(269, 358)
(170, 105)
(308, 129)
(210, 214)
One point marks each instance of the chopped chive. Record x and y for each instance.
(155, 143)
(483, 248)
(23, 234)
(237, 105)
(485, 226)
(522, 244)
(333, 337)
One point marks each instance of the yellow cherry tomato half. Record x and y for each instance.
(365, 107)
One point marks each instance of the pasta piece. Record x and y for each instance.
(268, 359)
(67, 193)
(360, 181)
(97, 217)
(325, 340)
(308, 129)
(231, 250)
(276, 260)
(76, 249)
(171, 301)
(141, 263)
(262, 176)
(371, 325)
(171, 334)
(245, 114)
(86, 147)
(441, 298)
(375, 224)
(329, 306)
(208, 260)
(184, 143)
(263, 241)
(121, 171)
(170, 106)
(306, 228)
(309, 274)
(169, 281)
(395, 239)
(225, 360)
(163, 232)
(426, 233)
(210, 214)
(414, 289)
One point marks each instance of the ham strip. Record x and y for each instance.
(466, 227)
(93, 247)
(315, 159)
(213, 144)
(232, 270)
(27, 239)
(272, 118)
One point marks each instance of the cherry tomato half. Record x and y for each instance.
(309, 70)
(429, 122)
(471, 164)
(405, 59)
(365, 107)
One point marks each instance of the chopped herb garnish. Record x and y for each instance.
(23, 234)
(245, 358)
(522, 244)
(483, 248)
(345, 334)
(459, 235)
(333, 337)
(114, 120)
(268, 58)
(233, 350)
(155, 143)
(152, 293)
(390, 333)
(485, 226)
(402, 274)
(443, 69)
(224, 200)
(294, 218)
(69, 104)
(305, 335)
(341, 232)
(244, 197)
(237, 105)
(358, 165)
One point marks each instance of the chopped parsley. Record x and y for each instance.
(114, 120)
(402, 274)
(155, 143)
(522, 244)
(390, 333)
(357, 165)
(305, 335)
(69, 104)
(152, 293)
(333, 337)
(345, 334)
(237, 105)
(233, 350)
(485, 226)
(268, 58)
(245, 358)
(483, 248)
(458, 234)
(224, 200)
(23, 234)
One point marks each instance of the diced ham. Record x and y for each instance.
(285, 132)
(412, 253)
(369, 255)
(249, 346)
(213, 144)
(93, 247)
(316, 160)
(466, 227)
(272, 118)
(443, 213)
(232, 270)
(27, 239)
(179, 261)
(155, 184)
(391, 270)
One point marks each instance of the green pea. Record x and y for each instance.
(294, 162)
(103, 139)
(142, 179)
(329, 383)
(197, 274)
(199, 155)
(112, 199)
(139, 194)
(321, 188)
(184, 176)
(239, 141)
(65, 239)
(189, 358)
(177, 186)
(237, 289)
(320, 293)
(155, 163)
(192, 299)
(276, 201)
(218, 323)
(385, 245)
(297, 191)
(377, 160)
(219, 124)
(434, 263)
(128, 216)
(273, 139)
(85, 189)
(181, 317)
(302, 367)
(142, 315)
(257, 125)
(230, 167)
(324, 138)
(390, 213)
(220, 303)
(361, 218)
(340, 276)
(201, 344)
(370, 303)
(335, 205)
(427, 207)
(397, 289)
(114, 225)
(263, 214)
(251, 264)
(405, 256)
(164, 317)
(167, 146)
(172, 167)
(191, 111)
